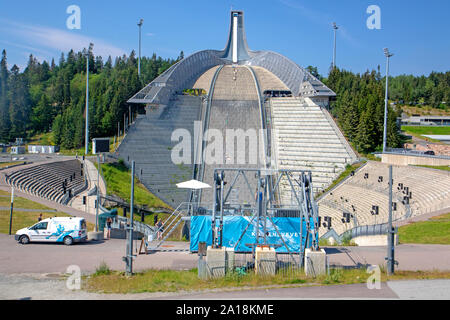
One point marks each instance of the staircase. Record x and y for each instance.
(148, 143)
(169, 226)
(304, 139)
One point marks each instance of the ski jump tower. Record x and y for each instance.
(249, 90)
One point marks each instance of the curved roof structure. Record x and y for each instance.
(184, 74)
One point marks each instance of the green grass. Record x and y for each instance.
(118, 180)
(434, 231)
(348, 170)
(20, 202)
(421, 130)
(23, 219)
(174, 281)
(445, 168)
(43, 139)
(7, 164)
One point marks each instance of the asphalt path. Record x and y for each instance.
(33, 272)
(50, 287)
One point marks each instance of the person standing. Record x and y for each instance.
(40, 218)
(159, 225)
(108, 228)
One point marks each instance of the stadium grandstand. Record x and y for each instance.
(57, 181)
(364, 196)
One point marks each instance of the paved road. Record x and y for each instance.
(421, 289)
(55, 258)
(28, 287)
(411, 257)
(30, 272)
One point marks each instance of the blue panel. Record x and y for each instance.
(234, 226)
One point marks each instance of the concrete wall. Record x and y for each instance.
(373, 241)
(404, 160)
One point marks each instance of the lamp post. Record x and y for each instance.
(335, 28)
(141, 22)
(86, 142)
(391, 232)
(388, 55)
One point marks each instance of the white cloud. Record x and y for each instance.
(321, 17)
(41, 39)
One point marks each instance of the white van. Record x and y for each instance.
(65, 230)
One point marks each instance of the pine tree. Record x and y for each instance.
(365, 137)
(5, 124)
(19, 104)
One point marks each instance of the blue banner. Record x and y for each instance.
(234, 227)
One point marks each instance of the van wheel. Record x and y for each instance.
(24, 240)
(68, 241)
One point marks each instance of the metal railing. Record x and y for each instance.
(145, 229)
(239, 265)
(352, 153)
(410, 152)
(368, 230)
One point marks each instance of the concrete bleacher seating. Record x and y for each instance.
(305, 139)
(46, 180)
(430, 192)
(148, 143)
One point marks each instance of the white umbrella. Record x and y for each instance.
(193, 184)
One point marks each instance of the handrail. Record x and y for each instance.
(261, 110)
(352, 153)
(201, 168)
(414, 153)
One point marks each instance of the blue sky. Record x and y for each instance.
(416, 31)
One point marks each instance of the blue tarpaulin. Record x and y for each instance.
(234, 226)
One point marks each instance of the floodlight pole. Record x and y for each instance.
(129, 257)
(86, 142)
(98, 193)
(141, 22)
(388, 55)
(391, 232)
(335, 28)
(11, 210)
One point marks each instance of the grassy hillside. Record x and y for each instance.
(118, 180)
(424, 111)
(434, 231)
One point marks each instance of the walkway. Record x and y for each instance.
(77, 202)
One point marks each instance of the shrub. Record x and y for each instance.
(102, 270)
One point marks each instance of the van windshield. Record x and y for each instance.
(40, 226)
